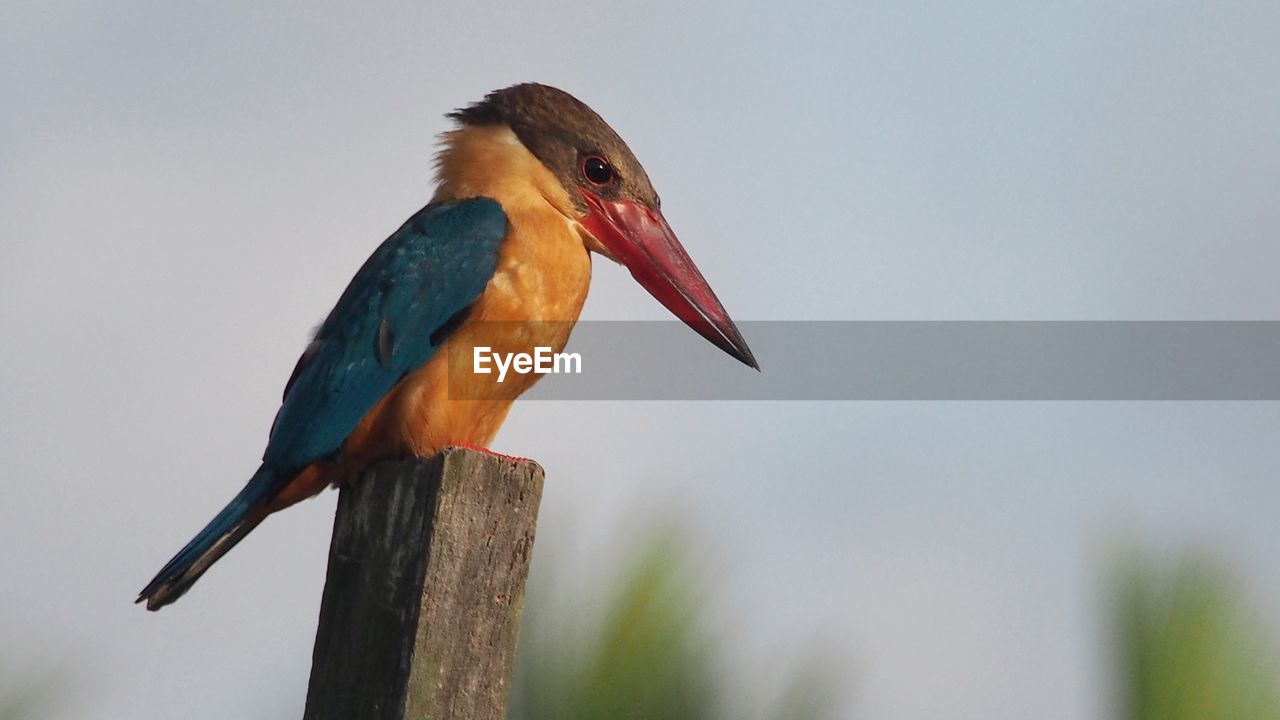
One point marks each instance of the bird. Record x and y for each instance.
(530, 182)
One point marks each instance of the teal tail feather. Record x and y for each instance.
(240, 516)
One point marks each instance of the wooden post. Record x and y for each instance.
(426, 579)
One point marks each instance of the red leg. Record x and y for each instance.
(487, 451)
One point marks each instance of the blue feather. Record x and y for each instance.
(220, 535)
(433, 267)
(392, 318)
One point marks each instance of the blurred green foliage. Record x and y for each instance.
(25, 695)
(649, 654)
(1186, 647)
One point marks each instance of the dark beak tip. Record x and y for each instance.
(737, 347)
(639, 237)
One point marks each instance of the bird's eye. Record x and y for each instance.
(597, 170)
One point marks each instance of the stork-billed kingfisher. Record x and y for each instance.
(530, 183)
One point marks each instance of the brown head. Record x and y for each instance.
(618, 210)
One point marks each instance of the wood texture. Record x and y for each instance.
(422, 602)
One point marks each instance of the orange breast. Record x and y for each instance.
(533, 300)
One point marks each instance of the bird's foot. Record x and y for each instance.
(487, 451)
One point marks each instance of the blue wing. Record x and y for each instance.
(389, 321)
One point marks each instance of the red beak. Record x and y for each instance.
(641, 239)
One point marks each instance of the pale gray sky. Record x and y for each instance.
(186, 190)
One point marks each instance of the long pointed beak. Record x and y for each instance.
(641, 239)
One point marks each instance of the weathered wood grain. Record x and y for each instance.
(422, 602)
